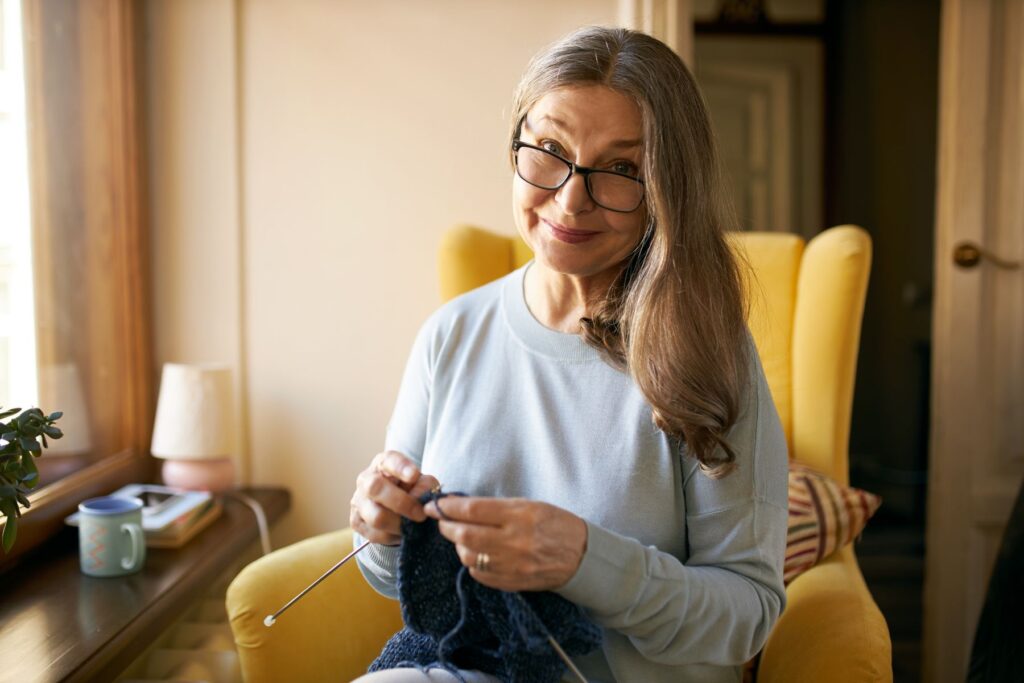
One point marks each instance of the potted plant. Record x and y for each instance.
(19, 447)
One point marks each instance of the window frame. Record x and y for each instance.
(115, 26)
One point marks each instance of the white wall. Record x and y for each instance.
(306, 256)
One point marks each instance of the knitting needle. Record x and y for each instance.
(272, 618)
(269, 621)
(565, 658)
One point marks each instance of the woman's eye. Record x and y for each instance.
(551, 146)
(626, 168)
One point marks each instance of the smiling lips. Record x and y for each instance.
(564, 234)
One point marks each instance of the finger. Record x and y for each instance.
(360, 526)
(379, 518)
(383, 490)
(474, 537)
(498, 581)
(398, 467)
(474, 560)
(426, 483)
(488, 511)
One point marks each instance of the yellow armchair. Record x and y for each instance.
(806, 307)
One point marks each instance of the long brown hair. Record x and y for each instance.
(675, 317)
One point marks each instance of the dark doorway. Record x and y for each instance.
(880, 103)
(882, 86)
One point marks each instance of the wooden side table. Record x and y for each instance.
(60, 625)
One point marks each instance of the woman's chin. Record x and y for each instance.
(578, 265)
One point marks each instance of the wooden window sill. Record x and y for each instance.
(60, 625)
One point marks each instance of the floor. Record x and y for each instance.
(891, 557)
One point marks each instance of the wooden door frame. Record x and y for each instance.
(980, 157)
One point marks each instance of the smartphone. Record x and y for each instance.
(153, 502)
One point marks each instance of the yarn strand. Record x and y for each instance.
(454, 622)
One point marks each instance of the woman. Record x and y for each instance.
(604, 406)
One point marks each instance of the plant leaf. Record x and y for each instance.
(7, 494)
(30, 476)
(30, 445)
(10, 533)
(53, 432)
(55, 416)
(9, 412)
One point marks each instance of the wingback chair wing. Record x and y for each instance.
(806, 304)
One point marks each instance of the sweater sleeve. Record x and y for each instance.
(406, 433)
(719, 606)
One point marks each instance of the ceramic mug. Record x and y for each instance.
(110, 537)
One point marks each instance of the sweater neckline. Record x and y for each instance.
(532, 334)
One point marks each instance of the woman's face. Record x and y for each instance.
(596, 127)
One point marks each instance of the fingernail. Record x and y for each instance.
(409, 472)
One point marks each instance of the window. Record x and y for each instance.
(80, 335)
(18, 379)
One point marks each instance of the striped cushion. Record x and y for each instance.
(823, 517)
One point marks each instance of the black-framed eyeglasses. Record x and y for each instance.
(544, 169)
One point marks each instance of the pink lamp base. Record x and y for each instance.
(200, 475)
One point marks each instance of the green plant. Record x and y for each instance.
(19, 447)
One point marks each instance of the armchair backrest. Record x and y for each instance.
(806, 304)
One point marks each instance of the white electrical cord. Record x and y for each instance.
(261, 517)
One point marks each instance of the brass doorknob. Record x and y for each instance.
(969, 254)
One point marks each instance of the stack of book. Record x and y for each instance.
(170, 517)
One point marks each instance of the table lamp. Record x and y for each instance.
(195, 427)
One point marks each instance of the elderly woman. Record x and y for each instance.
(604, 405)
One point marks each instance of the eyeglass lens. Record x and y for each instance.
(609, 190)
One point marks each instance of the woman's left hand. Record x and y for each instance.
(512, 544)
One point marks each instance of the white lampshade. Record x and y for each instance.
(195, 415)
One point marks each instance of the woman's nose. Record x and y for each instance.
(573, 197)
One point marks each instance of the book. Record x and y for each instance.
(170, 516)
(178, 535)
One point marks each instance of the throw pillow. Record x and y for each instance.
(823, 517)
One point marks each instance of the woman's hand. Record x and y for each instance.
(386, 491)
(525, 545)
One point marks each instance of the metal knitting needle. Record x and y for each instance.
(565, 658)
(269, 621)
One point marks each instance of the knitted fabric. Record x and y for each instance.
(454, 622)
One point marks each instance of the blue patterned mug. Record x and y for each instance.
(110, 538)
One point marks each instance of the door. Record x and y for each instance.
(766, 98)
(977, 438)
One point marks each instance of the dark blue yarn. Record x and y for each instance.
(454, 622)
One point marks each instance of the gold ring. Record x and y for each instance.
(483, 561)
(435, 489)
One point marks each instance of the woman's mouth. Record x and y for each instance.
(564, 234)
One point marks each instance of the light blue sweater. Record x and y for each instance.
(683, 572)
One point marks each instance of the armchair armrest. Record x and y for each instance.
(831, 629)
(332, 634)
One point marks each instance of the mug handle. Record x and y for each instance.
(138, 543)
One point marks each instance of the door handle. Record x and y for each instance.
(969, 254)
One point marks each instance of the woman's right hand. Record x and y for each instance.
(386, 491)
